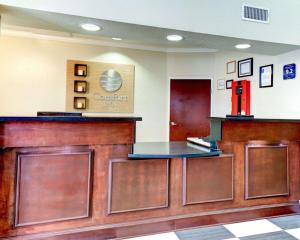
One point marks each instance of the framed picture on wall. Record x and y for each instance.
(289, 71)
(229, 84)
(231, 67)
(245, 67)
(266, 76)
(221, 84)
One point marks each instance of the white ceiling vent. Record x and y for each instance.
(255, 14)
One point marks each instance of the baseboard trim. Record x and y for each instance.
(159, 225)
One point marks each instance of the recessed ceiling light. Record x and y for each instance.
(116, 39)
(174, 38)
(242, 46)
(90, 27)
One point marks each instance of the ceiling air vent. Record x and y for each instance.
(256, 14)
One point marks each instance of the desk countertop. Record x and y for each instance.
(67, 119)
(255, 119)
(170, 150)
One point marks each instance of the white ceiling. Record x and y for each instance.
(137, 35)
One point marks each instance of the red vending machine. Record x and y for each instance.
(240, 98)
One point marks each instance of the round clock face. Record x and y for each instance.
(111, 80)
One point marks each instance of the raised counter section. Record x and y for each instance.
(244, 129)
(170, 150)
(68, 119)
(266, 153)
(66, 130)
(255, 119)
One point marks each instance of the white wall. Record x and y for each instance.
(189, 66)
(222, 104)
(33, 78)
(280, 101)
(205, 16)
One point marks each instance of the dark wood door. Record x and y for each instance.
(189, 109)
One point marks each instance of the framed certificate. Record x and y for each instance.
(221, 84)
(231, 67)
(245, 67)
(229, 84)
(266, 76)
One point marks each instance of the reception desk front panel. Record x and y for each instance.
(73, 179)
(52, 185)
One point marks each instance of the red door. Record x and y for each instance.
(189, 109)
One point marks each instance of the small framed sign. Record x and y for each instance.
(231, 67)
(266, 76)
(289, 71)
(245, 67)
(221, 84)
(229, 84)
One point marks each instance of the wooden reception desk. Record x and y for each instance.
(71, 178)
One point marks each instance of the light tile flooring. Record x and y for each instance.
(280, 228)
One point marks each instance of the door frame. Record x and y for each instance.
(169, 96)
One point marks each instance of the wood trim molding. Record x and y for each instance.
(52, 151)
(184, 183)
(110, 185)
(164, 224)
(269, 145)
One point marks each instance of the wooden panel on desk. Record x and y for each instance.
(266, 131)
(29, 134)
(207, 179)
(266, 171)
(138, 185)
(52, 186)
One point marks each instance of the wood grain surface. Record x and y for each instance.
(47, 190)
(266, 171)
(138, 185)
(202, 184)
(150, 204)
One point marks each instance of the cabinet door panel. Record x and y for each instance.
(266, 171)
(138, 185)
(52, 186)
(207, 179)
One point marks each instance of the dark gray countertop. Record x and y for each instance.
(216, 123)
(254, 119)
(169, 150)
(68, 119)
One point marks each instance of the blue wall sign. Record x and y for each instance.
(289, 71)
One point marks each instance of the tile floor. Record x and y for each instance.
(280, 228)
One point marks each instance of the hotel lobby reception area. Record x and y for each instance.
(149, 120)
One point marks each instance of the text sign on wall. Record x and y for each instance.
(289, 71)
(110, 87)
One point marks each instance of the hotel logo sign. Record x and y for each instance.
(110, 87)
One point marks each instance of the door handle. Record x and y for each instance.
(173, 123)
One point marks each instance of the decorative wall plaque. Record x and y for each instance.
(110, 87)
